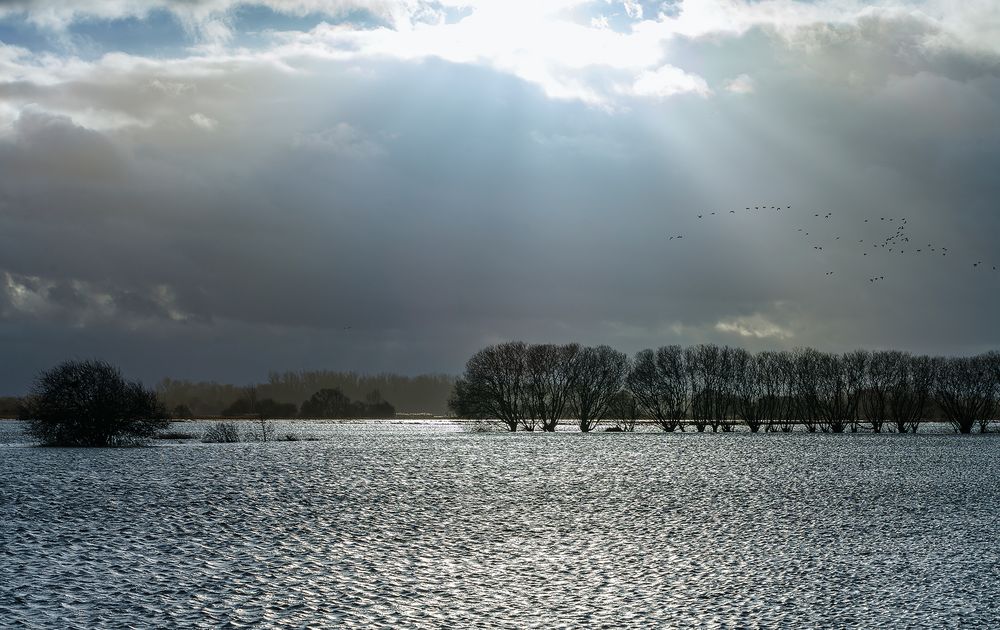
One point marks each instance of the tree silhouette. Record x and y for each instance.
(965, 390)
(600, 376)
(838, 389)
(332, 403)
(806, 363)
(624, 409)
(89, 403)
(883, 371)
(550, 377)
(751, 402)
(492, 386)
(776, 369)
(910, 391)
(710, 375)
(659, 382)
(328, 403)
(535, 386)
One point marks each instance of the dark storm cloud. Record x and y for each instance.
(223, 214)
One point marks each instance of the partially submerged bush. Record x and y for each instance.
(89, 403)
(222, 432)
(225, 432)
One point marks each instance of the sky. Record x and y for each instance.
(213, 189)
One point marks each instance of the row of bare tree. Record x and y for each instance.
(537, 386)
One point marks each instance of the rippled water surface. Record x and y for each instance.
(427, 526)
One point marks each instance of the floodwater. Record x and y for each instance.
(425, 526)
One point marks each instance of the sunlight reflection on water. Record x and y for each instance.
(423, 526)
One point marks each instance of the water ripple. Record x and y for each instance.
(397, 526)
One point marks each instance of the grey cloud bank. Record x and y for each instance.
(234, 210)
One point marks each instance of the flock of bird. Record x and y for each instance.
(895, 240)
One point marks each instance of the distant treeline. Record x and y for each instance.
(326, 403)
(408, 394)
(10, 406)
(538, 386)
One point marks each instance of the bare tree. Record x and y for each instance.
(724, 384)
(882, 371)
(709, 369)
(266, 427)
(550, 377)
(831, 393)
(750, 402)
(993, 367)
(493, 385)
(843, 376)
(806, 374)
(778, 372)
(964, 390)
(854, 365)
(600, 376)
(536, 386)
(624, 410)
(659, 382)
(910, 391)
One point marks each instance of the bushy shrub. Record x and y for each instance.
(89, 403)
(224, 432)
